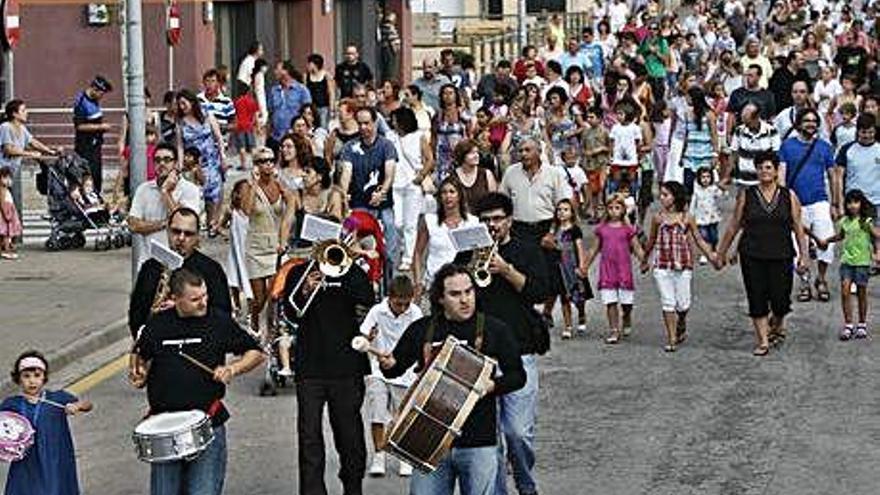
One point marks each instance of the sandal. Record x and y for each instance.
(680, 331)
(777, 335)
(822, 293)
(804, 295)
(761, 350)
(614, 337)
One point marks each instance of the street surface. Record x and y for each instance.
(625, 419)
(614, 420)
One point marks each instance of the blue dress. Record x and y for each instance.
(200, 136)
(50, 466)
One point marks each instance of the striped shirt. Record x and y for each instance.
(221, 108)
(747, 144)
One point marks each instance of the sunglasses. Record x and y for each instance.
(182, 232)
(263, 161)
(163, 159)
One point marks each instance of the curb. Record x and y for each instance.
(77, 349)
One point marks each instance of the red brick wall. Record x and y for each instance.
(59, 53)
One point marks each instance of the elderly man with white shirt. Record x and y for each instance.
(154, 200)
(535, 188)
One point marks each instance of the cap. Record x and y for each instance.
(102, 84)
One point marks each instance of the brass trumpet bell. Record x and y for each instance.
(334, 258)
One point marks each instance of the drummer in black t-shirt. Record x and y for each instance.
(169, 358)
(474, 455)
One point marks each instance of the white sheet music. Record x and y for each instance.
(171, 259)
(317, 229)
(470, 238)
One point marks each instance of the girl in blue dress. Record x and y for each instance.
(49, 468)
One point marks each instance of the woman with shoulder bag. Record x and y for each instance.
(414, 166)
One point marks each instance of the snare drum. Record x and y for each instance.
(437, 405)
(173, 436)
(16, 436)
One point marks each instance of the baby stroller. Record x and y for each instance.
(359, 226)
(57, 180)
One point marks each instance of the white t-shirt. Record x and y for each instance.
(147, 205)
(626, 139)
(390, 329)
(617, 14)
(409, 157)
(441, 249)
(576, 175)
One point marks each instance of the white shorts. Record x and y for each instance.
(817, 219)
(381, 400)
(674, 287)
(615, 296)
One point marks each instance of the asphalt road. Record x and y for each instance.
(627, 419)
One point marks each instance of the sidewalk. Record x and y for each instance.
(65, 304)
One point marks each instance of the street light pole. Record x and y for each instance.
(521, 24)
(136, 108)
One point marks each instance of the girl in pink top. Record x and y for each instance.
(617, 242)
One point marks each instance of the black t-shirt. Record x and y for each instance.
(173, 382)
(762, 98)
(347, 75)
(480, 428)
(323, 347)
(781, 82)
(501, 300)
(853, 61)
(147, 283)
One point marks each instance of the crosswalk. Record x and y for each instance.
(37, 226)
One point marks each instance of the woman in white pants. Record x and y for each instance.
(414, 163)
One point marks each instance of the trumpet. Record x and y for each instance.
(479, 265)
(334, 258)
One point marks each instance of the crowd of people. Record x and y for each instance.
(772, 108)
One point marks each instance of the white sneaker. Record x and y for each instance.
(285, 372)
(406, 470)
(377, 468)
(703, 259)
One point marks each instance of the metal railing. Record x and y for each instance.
(488, 49)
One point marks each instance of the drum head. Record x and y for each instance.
(14, 427)
(170, 422)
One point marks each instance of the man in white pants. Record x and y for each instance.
(807, 161)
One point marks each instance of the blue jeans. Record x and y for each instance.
(709, 233)
(202, 476)
(517, 412)
(473, 467)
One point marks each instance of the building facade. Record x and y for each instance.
(64, 43)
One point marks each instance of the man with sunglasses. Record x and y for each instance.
(155, 199)
(183, 238)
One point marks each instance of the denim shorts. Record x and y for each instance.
(857, 274)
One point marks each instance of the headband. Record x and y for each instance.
(30, 363)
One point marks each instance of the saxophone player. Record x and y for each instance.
(518, 279)
(150, 292)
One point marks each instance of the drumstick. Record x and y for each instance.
(196, 362)
(53, 403)
(362, 344)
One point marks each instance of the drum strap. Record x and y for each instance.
(212, 411)
(479, 335)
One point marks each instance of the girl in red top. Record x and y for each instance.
(672, 229)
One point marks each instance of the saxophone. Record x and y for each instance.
(163, 289)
